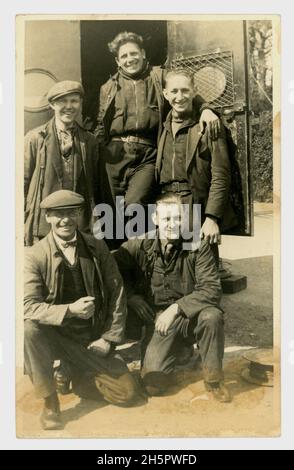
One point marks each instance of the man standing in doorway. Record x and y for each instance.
(130, 118)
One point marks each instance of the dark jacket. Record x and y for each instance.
(208, 171)
(43, 175)
(43, 283)
(199, 276)
(107, 102)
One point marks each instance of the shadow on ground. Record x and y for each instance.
(186, 409)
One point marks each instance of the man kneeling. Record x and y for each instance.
(182, 288)
(75, 310)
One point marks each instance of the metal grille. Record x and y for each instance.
(213, 74)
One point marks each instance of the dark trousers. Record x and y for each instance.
(138, 329)
(131, 170)
(43, 344)
(207, 329)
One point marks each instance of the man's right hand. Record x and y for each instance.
(166, 319)
(82, 308)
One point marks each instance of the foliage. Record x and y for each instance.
(260, 73)
(262, 171)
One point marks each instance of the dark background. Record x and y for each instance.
(98, 64)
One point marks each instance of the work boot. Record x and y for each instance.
(218, 391)
(51, 416)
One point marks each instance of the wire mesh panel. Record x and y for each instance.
(213, 75)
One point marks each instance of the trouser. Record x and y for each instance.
(131, 170)
(207, 329)
(43, 344)
(138, 329)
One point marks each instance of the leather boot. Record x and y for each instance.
(51, 417)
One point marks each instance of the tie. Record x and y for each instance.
(168, 252)
(66, 142)
(70, 243)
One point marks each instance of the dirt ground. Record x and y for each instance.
(249, 313)
(186, 410)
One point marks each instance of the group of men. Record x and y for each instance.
(80, 299)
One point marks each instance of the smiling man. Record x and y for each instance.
(59, 155)
(192, 164)
(175, 294)
(74, 311)
(129, 122)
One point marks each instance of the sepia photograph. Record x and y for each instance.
(148, 218)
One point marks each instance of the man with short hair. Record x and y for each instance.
(192, 164)
(60, 154)
(130, 118)
(75, 311)
(178, 292)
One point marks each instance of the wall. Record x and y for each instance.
(55, 47)
(191, 44)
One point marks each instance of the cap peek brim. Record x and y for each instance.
(63, 207)
(245, 374)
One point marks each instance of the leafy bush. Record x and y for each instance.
(262, 158)
(260, 49)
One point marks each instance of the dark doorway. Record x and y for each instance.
(98, 64)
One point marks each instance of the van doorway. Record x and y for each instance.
(97, 64)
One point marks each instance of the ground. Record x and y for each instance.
(187, 411)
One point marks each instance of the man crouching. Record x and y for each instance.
(75, 310)
(182, 288)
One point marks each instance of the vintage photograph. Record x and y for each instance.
(148, 163)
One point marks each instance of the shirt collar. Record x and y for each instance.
(59, 241)
(60, 128)
(143, 73)
(189, 122)
(157, 244)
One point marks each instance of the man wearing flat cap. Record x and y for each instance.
(59, 155)
(74, 311)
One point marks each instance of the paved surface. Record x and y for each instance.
(187, 411)
(261, 244)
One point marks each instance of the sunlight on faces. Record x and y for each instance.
(168, 218)
(64, 222)
(130, 58)
(179, 92)
(67, 108)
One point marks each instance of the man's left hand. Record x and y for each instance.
(212, 122)
(166, 318)
(101, 347)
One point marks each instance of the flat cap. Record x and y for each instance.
(62, 199)
(64, 88)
